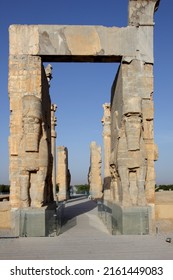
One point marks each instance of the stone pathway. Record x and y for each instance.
(85, 237)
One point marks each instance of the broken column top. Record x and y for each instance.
(48, 71)
(62, 148)
(106, 113)
(141, 12)
(53, 107)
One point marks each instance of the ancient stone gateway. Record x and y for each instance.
(132, 151)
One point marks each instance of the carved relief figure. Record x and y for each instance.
(114, 183)
(130, 156)
(34, 156)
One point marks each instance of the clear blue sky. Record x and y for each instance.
(79, 90)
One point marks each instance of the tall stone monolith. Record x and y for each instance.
(53, 145)
(30, 138)
(106, 122)
(63, 173)
(94, 175)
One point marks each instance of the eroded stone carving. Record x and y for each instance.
(53, 147)
(141, 11)
(106, 122)
(114, 192)
(132, 141)
(94, 175)
(34, 155)
(131, 164)
(30, 139)
(32, 121)
(48, 71)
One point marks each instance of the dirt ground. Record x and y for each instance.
(164, 226)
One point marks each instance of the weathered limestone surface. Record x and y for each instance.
(106, 122)
(128, 150)
(30, 133)
(94, 175)
(81, 43)
(133, 150)
(53, 149)
(141, 11)
(63, 173)
(5, 215)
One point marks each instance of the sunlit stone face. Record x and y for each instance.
(133, 131)
(32, 131)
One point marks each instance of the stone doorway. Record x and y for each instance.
(133, 151)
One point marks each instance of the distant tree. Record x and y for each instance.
(163, 187)
(4, 188)
(82, 189)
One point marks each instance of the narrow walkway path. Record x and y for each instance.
(85, 237)
(82, 219)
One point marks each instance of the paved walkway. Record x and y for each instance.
(85, 237)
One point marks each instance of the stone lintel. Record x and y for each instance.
(68, 43)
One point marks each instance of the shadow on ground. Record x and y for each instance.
(79, 209)
(76, 198)
(72, 211)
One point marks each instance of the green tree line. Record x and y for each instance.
(82, 189)
(4, 188)
(85, 188)
(164, 187)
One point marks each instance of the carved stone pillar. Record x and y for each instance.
(94, 175)
(30, 135)
(53, 144)
(63, 173)
(133, 150)
(106, 122)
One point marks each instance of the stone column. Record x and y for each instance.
(133, 150)
(94, 176)
(63, 173)
(106, 122)
(132, 139)
(30, 135)
(141, 15)
(53, 144)
(132, 145)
